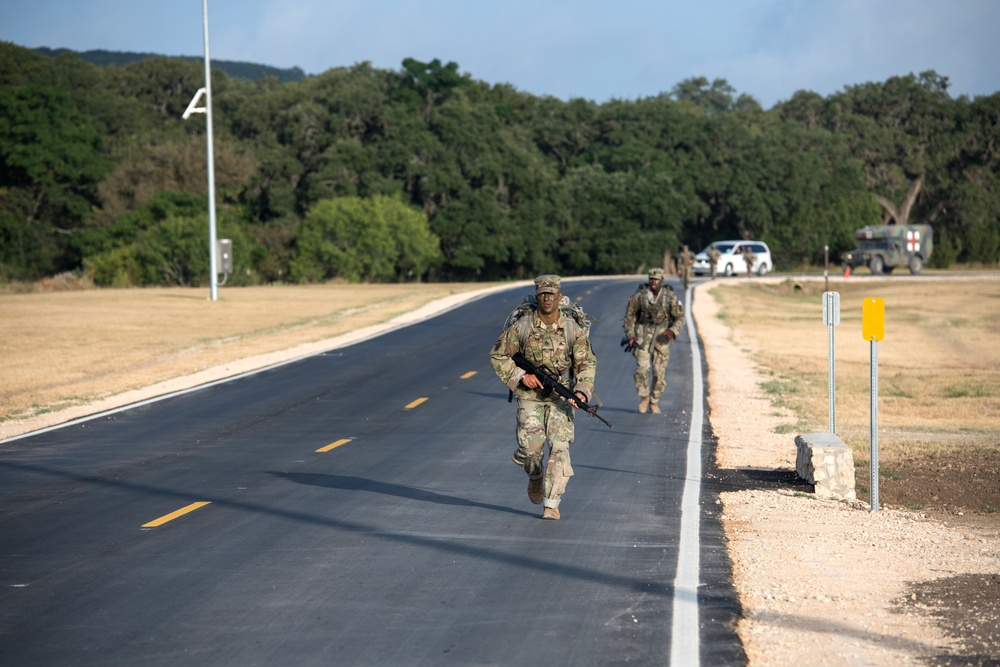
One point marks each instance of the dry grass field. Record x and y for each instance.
(938, 379)
(63, 350)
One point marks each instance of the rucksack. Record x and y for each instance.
(576, 319)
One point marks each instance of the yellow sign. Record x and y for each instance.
(873, 318)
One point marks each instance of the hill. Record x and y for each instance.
(243, 70)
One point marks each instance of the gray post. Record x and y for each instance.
(826, 273)
(873, 455)
(831, 318)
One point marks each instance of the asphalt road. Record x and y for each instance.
(359, 507)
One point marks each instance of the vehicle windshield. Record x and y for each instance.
(724, 248)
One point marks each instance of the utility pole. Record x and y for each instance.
(213, 262)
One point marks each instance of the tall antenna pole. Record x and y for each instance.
(212, 249)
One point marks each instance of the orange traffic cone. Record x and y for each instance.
(847, 271)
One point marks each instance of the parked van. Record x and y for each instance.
(731, 259)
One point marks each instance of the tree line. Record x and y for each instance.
(424, 173)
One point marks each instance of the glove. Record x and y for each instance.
(670, 334)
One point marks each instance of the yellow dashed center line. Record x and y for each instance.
(334, 445)
(173, 515)
(416, 403)
(468, 375)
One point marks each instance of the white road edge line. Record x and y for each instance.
(684, 639)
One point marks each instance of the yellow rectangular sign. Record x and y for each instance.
(873, 318)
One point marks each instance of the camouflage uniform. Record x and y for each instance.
(684, 262)
(564, 349)
(713, 258)
(647, 320)
(750, 258)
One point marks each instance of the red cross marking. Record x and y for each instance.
(912, 241)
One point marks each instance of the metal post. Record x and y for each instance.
(873, 454)
(831, 318)
(831, 381)
(826, 270)
(213, 259)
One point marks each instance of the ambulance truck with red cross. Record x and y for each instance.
(884, 247)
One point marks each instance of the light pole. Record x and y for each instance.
(213, 261)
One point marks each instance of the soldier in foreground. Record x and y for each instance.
(549, 339)
(653, 318)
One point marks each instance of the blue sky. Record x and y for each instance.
(599, 50)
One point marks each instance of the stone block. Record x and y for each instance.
(825, 461)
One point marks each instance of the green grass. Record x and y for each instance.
(968, 391)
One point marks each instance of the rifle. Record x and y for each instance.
(627, 346)
(551, 383)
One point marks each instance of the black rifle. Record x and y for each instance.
(551, 383)
(627, 346)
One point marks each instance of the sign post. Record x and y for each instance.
(873, 330)
(831, 318)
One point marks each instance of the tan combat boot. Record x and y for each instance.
(654, 408)
(551, 513)
(643, 405)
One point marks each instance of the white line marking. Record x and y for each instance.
(684, 639)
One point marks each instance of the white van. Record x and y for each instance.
(731, 259)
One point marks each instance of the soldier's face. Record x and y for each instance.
(548, 302)
(655, 283)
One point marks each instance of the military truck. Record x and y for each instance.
(884, 247)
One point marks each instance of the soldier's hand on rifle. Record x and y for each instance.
(531, 382)
(582, 398)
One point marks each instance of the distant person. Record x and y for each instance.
(653, 318)
(547, 337)
(685, 261)
(750, 258)
(713, 259)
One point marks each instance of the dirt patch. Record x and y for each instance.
(960, 487)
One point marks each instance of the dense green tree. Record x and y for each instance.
(50, 164)
(377, 239)
(99, 170)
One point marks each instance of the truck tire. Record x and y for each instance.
(728, 270)
(875, 265)
(916, 264)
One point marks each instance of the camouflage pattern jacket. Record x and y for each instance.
(545, 345)
(646, 314)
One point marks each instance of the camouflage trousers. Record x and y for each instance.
(653, 354)
(538, 423)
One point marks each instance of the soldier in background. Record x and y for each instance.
(749, 257)
(713, 258)
(684, 261)
(546, 337)
(654, 317)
